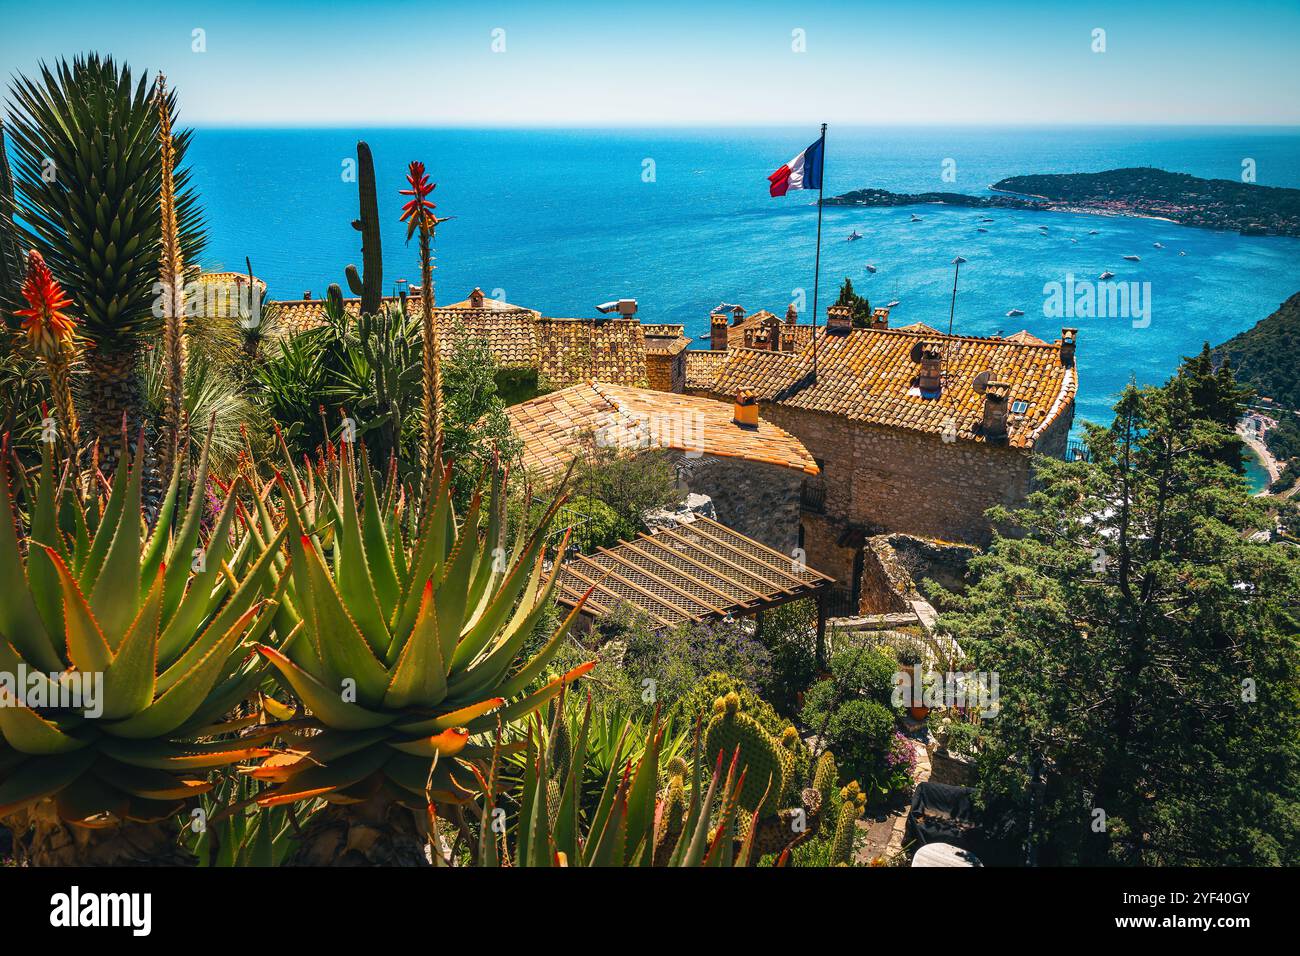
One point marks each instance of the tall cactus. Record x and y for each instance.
(854, 802)
(368, 284)
(768, 763)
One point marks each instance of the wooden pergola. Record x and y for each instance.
(693, 571)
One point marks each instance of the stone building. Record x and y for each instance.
(913, 431)
(752, 469)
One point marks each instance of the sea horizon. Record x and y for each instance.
(560, 219)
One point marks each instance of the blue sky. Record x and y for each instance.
(672, 63)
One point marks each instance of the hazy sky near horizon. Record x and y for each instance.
(391, 63)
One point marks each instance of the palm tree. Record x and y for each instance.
(88, 172)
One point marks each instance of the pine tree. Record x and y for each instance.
(860, 306)
(1148, 648)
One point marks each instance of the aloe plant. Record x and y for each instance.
(123, 652)
(689, 823)
(403, 644)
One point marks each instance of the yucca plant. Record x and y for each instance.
(404, 642)
(87, 171)
(695, 819)
(121, 653)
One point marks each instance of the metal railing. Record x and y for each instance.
(812, 497)
(1076, 450)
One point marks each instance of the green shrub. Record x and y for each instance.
(790, 635)
(860, 732)
(595, 524)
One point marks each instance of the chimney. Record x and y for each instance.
(476, 298)
(773, 333)
(930, 378)
(737, 315)
(880, 318)
(306, 295)
(1067, 346)
(995, 409)
(791, 315)
(839, 318)
(746, 410)
(718, 332)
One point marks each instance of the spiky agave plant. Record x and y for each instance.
(404, 645)
(120, 654)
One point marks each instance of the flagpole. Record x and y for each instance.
(817, 268)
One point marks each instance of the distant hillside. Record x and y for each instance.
(1190, 200)
(1268, 355)
(1139, 191)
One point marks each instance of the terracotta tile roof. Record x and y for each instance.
(551, 427)
(918, 327)
(870, 375)
(575, 350)
(1024, 337)
(665, 339)
(508, 329)
(702, 367)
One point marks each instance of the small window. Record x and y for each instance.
(1019, 408)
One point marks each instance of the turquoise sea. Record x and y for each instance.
(560, 220)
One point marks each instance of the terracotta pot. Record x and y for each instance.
(919, 713)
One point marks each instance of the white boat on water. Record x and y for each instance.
(981, 229)
(1158, 245)
(986, 220)
(871, 268)
(1181, 252)
(1133, 258)
(1106, 275)
(854, 235)
(1015, 312)
(1092, 232)
(915, 218)
(890, 305)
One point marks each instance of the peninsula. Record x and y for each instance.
(1139, 191)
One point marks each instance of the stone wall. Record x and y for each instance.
(758, 500)
(891, 479)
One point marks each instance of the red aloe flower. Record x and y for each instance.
(418, 208)
(47, 326)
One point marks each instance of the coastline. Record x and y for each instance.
(1260, 451)
(1088, 211)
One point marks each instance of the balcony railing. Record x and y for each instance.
(1076, 450)
(812, 497)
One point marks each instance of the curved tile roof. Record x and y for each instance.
(632, 418)
(870, 375)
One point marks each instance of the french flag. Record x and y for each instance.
(802, 172)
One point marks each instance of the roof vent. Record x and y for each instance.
(624, 307)
(476, 299)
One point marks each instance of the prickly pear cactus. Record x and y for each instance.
(764, 759)
(855, 801)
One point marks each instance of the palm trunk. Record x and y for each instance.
(42, 839)
(374, 832)
(114, 385)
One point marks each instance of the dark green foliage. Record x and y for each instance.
(859, 731)
(594, 523)
(790, 635)
(474, 423)
(11, 254)
(1267, 356)
(1216, 397)
(859, 304)
(630, 484)
(1148, 652)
